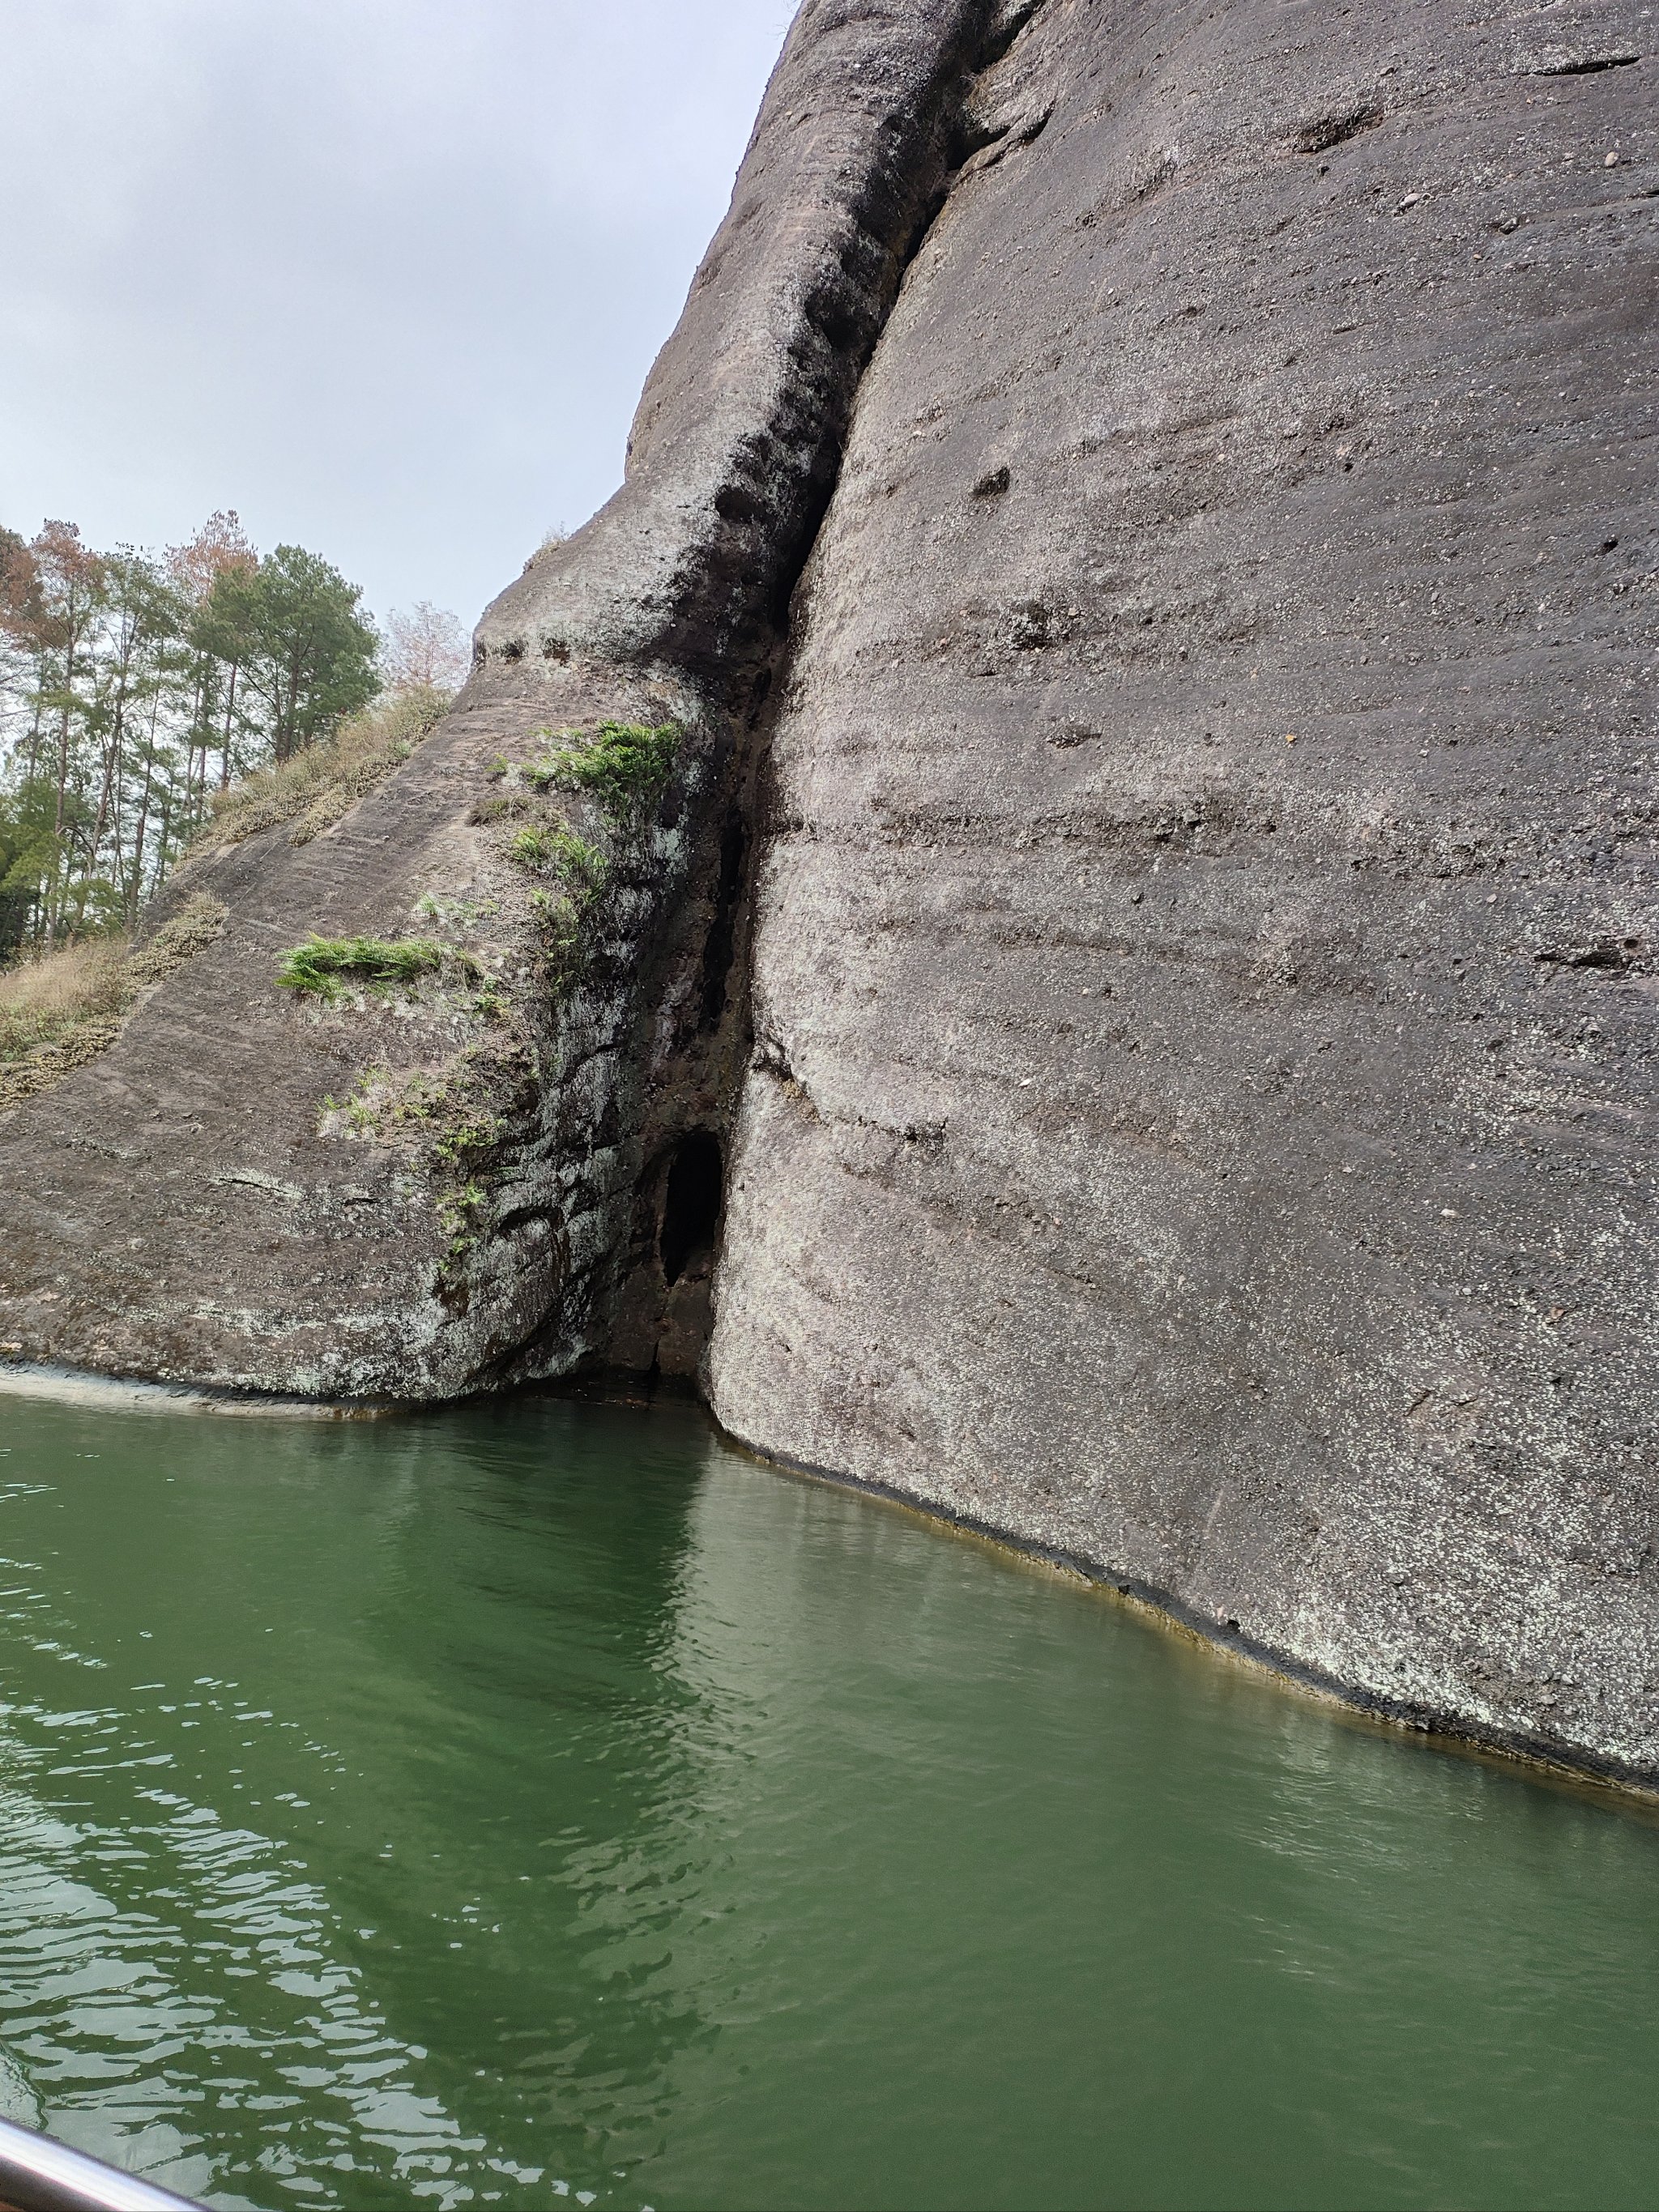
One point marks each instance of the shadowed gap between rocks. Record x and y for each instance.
(678, 1209)
(692, 1204)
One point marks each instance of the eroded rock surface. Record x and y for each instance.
(1148, 528)
(1202, 1114)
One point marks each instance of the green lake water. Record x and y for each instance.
(546, 1803)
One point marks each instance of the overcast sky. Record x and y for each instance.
(385, 276)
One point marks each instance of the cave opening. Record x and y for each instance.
(691, 1204)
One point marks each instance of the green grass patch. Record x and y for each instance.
(583, 866)
(532, 848)
(564, 917)
(457, 1213)
(455, 913)
(623, 768)
(322, 966)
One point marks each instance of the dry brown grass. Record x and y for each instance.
(60, 1011)
(40, 1000)
(318, 786)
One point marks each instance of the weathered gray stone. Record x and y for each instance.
(1227, 1158)
(1170, 903)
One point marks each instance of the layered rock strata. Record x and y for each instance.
(1147, 525)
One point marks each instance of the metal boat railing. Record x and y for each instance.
(40, 2175)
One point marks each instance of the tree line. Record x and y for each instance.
(135, 686)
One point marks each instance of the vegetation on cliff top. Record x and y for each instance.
(136, 686)
(41, 1000)
(131, 685)
(315, 789)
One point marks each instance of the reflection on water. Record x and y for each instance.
(311, 1752)
(542, 1803)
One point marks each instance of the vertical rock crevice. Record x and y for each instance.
(737, 437)
(746, 488)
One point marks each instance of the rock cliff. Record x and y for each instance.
(1129, 1020)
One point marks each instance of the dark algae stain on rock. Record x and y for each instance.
(1125, 1013)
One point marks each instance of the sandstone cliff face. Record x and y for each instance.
(1159, 922)
(1224, 1157)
